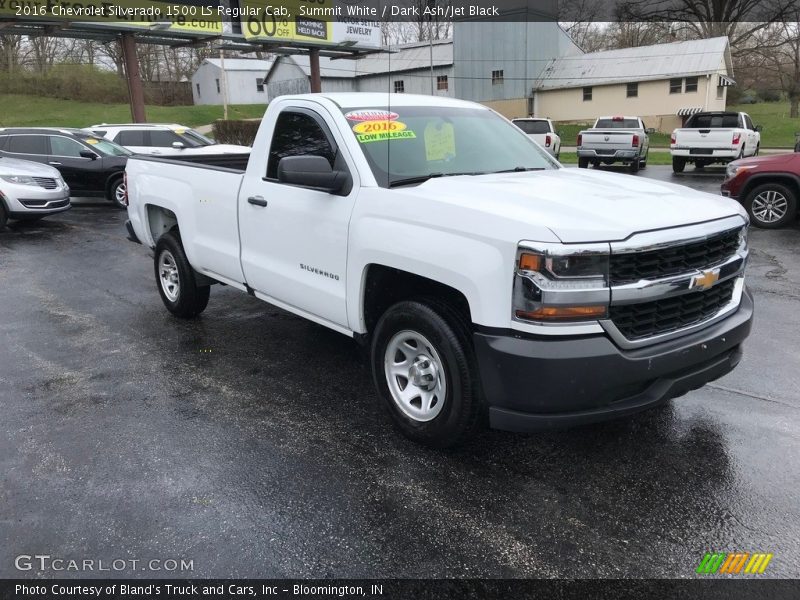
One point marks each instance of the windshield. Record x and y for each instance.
(106, 147)
(193, 138)
(417, 142)
(712, 121)
(531, 127)
(617, 124)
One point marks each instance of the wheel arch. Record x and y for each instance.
(160, 220)
(788, 179)
(112, 179)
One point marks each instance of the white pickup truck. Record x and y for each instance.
(614, 139)
(490, 284)
(714, 137)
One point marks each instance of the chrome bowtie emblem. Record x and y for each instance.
(704, 280)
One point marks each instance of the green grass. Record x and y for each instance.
(653, 158)
(33, 111)
(778, 128)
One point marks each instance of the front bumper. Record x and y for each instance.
(537, 383)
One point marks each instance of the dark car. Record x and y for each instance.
(91, 165)
(767, 186)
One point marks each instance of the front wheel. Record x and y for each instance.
(426, 373)
(116, 193)
(678, 164)
(771, 205)
(3, 216)
(176, 281)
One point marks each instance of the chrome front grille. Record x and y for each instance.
(47, 183)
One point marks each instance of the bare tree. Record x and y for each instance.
(777, 58)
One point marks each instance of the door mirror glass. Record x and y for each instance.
(650, 130)
(88, 154)
(310, 171)
(758, 128)
(178, 145)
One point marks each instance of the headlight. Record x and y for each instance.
(556, 283)
(734, 170)
(18, 179)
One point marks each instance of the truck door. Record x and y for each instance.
(294, 239)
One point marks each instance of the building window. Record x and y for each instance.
(198, 89)
(675, 86)
(441, 82)
(587, 94)
(632, 90)
(218, 90)
(497, 77)
(399, 87)
(691, 84)
(259, 85)
(720, 92)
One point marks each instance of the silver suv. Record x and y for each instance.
(30, 191)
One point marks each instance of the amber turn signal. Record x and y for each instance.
(530, 262)
(563, 312)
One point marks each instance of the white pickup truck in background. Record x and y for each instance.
(542, 132)
(714, 137)
(490, 284)
(612, 140)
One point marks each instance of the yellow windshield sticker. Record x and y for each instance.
(378, 126)
(91, 141)
(440, 141)
(381, 136)
(180, 131)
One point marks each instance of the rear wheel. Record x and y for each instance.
(116, 192)
(426, 373)
(678, 164)
(3, 216)
(176, 281)
(771, 205)
(583, 163)
(634, 166)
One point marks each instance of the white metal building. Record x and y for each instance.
(414, 68)
(245, 81)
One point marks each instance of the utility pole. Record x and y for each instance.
(313, 63)
(224, 84)
(134, 78)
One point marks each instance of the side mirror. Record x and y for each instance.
(88, 154)
(650, 130)
(758, 128)
(560, 133)
(311, 171)
(178, 145)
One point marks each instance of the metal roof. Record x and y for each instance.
(660, 61)
(397, 58)
(242, 64)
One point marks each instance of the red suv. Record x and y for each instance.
(767, 186)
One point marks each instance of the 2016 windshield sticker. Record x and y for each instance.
(371, 115)
(377, 126)
(383, 136)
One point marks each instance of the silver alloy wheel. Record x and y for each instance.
(415, 375)
(769, 206)
(168, 275)
(119, 194)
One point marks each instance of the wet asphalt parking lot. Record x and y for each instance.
(249, 441)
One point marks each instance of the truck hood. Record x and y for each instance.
(14, 166)
(578, 205)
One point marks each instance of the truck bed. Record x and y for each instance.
(236, 163)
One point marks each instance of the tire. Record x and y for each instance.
(175, 279)
(3, 217)
(678, 164)
(758, 148)
(116, 192)
(583, 163)
(771, 205)
(643, 162)
(634, 166)
(439, 349)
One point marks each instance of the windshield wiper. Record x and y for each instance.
(424, 178)
(520, 169)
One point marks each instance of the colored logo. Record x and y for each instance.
(371, 115)
(705, 280)
(736, 563)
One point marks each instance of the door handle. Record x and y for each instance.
(257, 200)
(56, 164)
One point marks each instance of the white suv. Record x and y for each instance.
(164, 139)
(30, 191)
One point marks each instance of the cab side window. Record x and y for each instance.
(297, 134)
(163, 139)
(61, 146)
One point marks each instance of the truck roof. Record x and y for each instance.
(382, 100)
